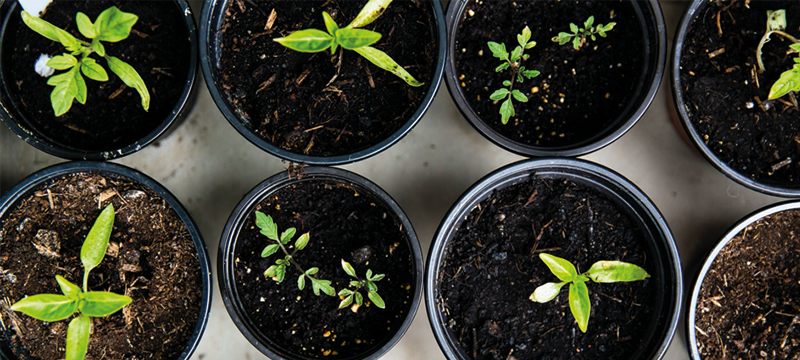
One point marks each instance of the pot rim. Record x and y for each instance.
(226, 257)
(691, 311)
(14, 119)
(23, 188)
(652, 24)
(769, 188)
(617, 188)
(210, 14)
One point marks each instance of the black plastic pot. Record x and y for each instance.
(211, 20)
(25, 188)
(24, 128)
(655, 53)
(629, 199)
(691, 311)
(226, 259)
(681, 103)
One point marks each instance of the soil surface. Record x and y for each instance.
(747, 307)
(579, 93)
(150, 258)
(492, 266)
(158, 48)
(726, 97)
(318, 103)
(344, 223)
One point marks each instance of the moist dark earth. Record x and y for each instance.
(579, 93)
(151, 258)
(322, 104)
(158, 48)
(492, 266)
(727, 98)
(344, 223)
(747, 307)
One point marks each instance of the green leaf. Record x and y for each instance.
(506, 111)
(85, 25)
(287, 235)
(301, 242)
(66, 89)
(324, 285)
(371, 11)
(102, 303)
(378, 277)
(519, 96)
(98, 47)
(346, 301)
(96, 242)
(371, 286)
(600, 32)
(93, 70)
(376, 299)
(78, 337)
(301, 281)
(519, 78)
(546, 292)
(280, 273)
(530, 45)
(271, 271)
(789, 81)
(523, 38)
(47, 307)
(795, 47)
(267, 226)
(359, 299)
(45, 28)
(516, 54)
(588, 22)
(498, 50)
(356, 284)
(309, 40)
(615, 271)
(573, 28)
(530, 74)
(507, 83)
(562, 38)
(579, 304)
(352, 39)
(312, 271)
(130, 77)
(576, 43)
(502, 67)
(69, 42)
(345, 292)
(383, 61)
(62, 62)
(80, 83)
(113, 25)
(269, 250)
(348, 269)
(609, 26)
(69, 289)
(332, 28)
(561, 268)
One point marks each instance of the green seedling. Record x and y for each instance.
(55, 307)
(789, 80)
(350, 38)
(579, 35)
(518, 72)
(600, 272)
(349, 296)
(112, 25)
(278, 271)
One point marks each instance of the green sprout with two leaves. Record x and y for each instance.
(278, 271)
(579, 35)
(349, 296)
(789, 80)
(599, 272)
(55, 307)
(350, 38)
(518, 72)
(112, 25)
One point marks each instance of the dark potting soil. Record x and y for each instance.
(317, 103)
(158, 48)
(578, 93)
(747, 307)
(344, 223)
(150, 258)
(492, 266)
(726, 98)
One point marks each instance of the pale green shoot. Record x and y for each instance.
(350, 296)
(518, 72)
(579, 35)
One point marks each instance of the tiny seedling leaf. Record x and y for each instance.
(371, 286)
(269, 250)
(507, 82)
(47, 307)
(359, 298)
(530, 74)
(588, 23)
(78, 337)
(352, 39)
(579, 303)
(330, 25)
(308, 40)
(65, 91)
(312, 271)
(345, 292)
(94, 247)
(102, 303)
(561, 268)
(114, 25)
(323, 285)
(62, 62)
(348, 269)
(498, 50)
(573, 28)
(69, 289)
(383, 61)
(280, 273)
(356, 284)
(287, 235)
(506, 111)
(271, 271)
(523, 37)
(98, 47)
(85, 25)
(301, 281)
(615, 271)
(376, 299)
(378, 277)
(576, 42)
(130, 77)
(301, 242)
(516, 54)
(93, 70)
(788, 81)
(519, 96)
(546, 292)
(267, 226)
(502, 67)
(348, 299)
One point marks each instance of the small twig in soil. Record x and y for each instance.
(474, 344)
(310, 143)
(475, 222)
(163, 72)
(531, 198)
(267, 83)
(302, 76)
(786, 336)
(271, 20)
(548, 331)
(610, 297)
(50, 199)
(779, 165)
(340, 133)
(509, 354)
(338, 68)
(754, 74)
(139, 33)
(314, 128)
(119, 91)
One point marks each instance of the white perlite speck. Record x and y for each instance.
(41, 66)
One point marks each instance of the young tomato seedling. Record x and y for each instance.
(112, 25)
(350, 38)
(54, 307)
(789, 82)
(512, 61)
(579, 35)
(348, 296)
(600, 272)
(278, 271)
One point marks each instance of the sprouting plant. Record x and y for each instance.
(512, 61)
(278, 271)
(350, 38)
(579, 35)
(348, 296)
(600, 272)
(112, 25)
(54, 307)
(790, 79)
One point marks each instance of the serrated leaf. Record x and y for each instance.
(519, 96)
(102, 303)
(85, 25)
(546, 292)
(267, 226)
(383, 61)
(47, 307)
(506, 111)
(308, 40)
(280, 273)
(62, 62)
(588, 22)
(359, 298)
(352, 39)
(271, 271)
(562, 38)
(516, 53)
(530, 74)
(498, 50)
(348, 269)
(93, 70)
(788, 81)
(524, 36)
(346, 301)
(502, 67)
(269, 250)
(114, 25)
(301, 282)
(573, 28)
(579, 304)
(287, 235)
(561, 268)
(376, 299)
(65, 91)
(78, 333)
(322, 285)
(69, 289)
(96, 242)
(130, 77)
(302, 241)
